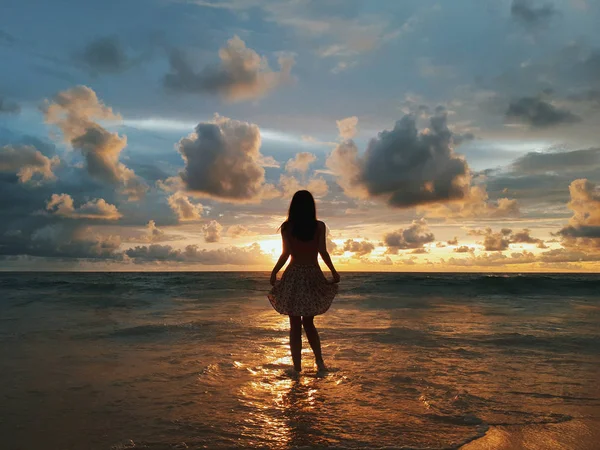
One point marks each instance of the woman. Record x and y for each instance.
(303, 291)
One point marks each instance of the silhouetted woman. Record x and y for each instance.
(303, 291)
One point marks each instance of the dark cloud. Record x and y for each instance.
(60, 240)
(524, 237)
(532, 14)
(460, 138)
(591, 96)
(591, 66)
(415, 168)
(8, 107)
(251, 255)
(538, 113)
(538, 162)
(413, 237)
(496, 242)
(242, 74)
(222, 160)
(405, 166)
(104, 55)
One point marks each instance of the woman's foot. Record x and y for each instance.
(293, 372)
(321, 367)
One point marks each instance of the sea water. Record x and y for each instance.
(200, 360)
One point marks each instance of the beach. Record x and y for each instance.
(199, 360)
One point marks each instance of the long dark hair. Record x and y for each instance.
(302, 216)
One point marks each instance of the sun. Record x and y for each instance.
(271, 247)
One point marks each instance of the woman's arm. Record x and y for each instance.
(285, 254)
(324, 253)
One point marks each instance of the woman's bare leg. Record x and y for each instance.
(296, 341)
(313, 339)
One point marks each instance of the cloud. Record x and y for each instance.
(345, 162)
(269, 161)
(464, 249)
(475, 204)
(338, 32)
(412, 237)
(331, 246)
(589, 95)
(301, 162)
(222, 160)
(501, 240)
(526, 12)
(583, 230)
(153, 233)
(251, 255)
(62, 205)
(406, 167)
(347, 127)
(496, 242)
(359, 248)
(74, 111)
(9, 107)
(239, 230)
(563, 255)
(290, 185)
(184, 208)
(103, 55)
(538, 162)
(212, 231)
(524, 237)
(241, 75)
(61, 240)
(494, 259)
(27, 162)
(538, 113)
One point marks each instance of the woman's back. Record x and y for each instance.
(303, 251)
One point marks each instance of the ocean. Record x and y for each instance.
(199, 360)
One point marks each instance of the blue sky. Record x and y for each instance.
(498, 105)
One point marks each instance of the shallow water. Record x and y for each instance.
(199, 360)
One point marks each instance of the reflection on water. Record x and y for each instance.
(206, 368)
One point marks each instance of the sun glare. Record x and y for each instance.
(271, 247)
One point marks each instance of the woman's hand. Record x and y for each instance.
(336, 277)
(273, 279)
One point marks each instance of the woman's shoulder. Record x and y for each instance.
(321, 225)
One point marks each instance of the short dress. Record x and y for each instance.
(302, 291)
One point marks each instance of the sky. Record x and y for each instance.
(171, 134)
